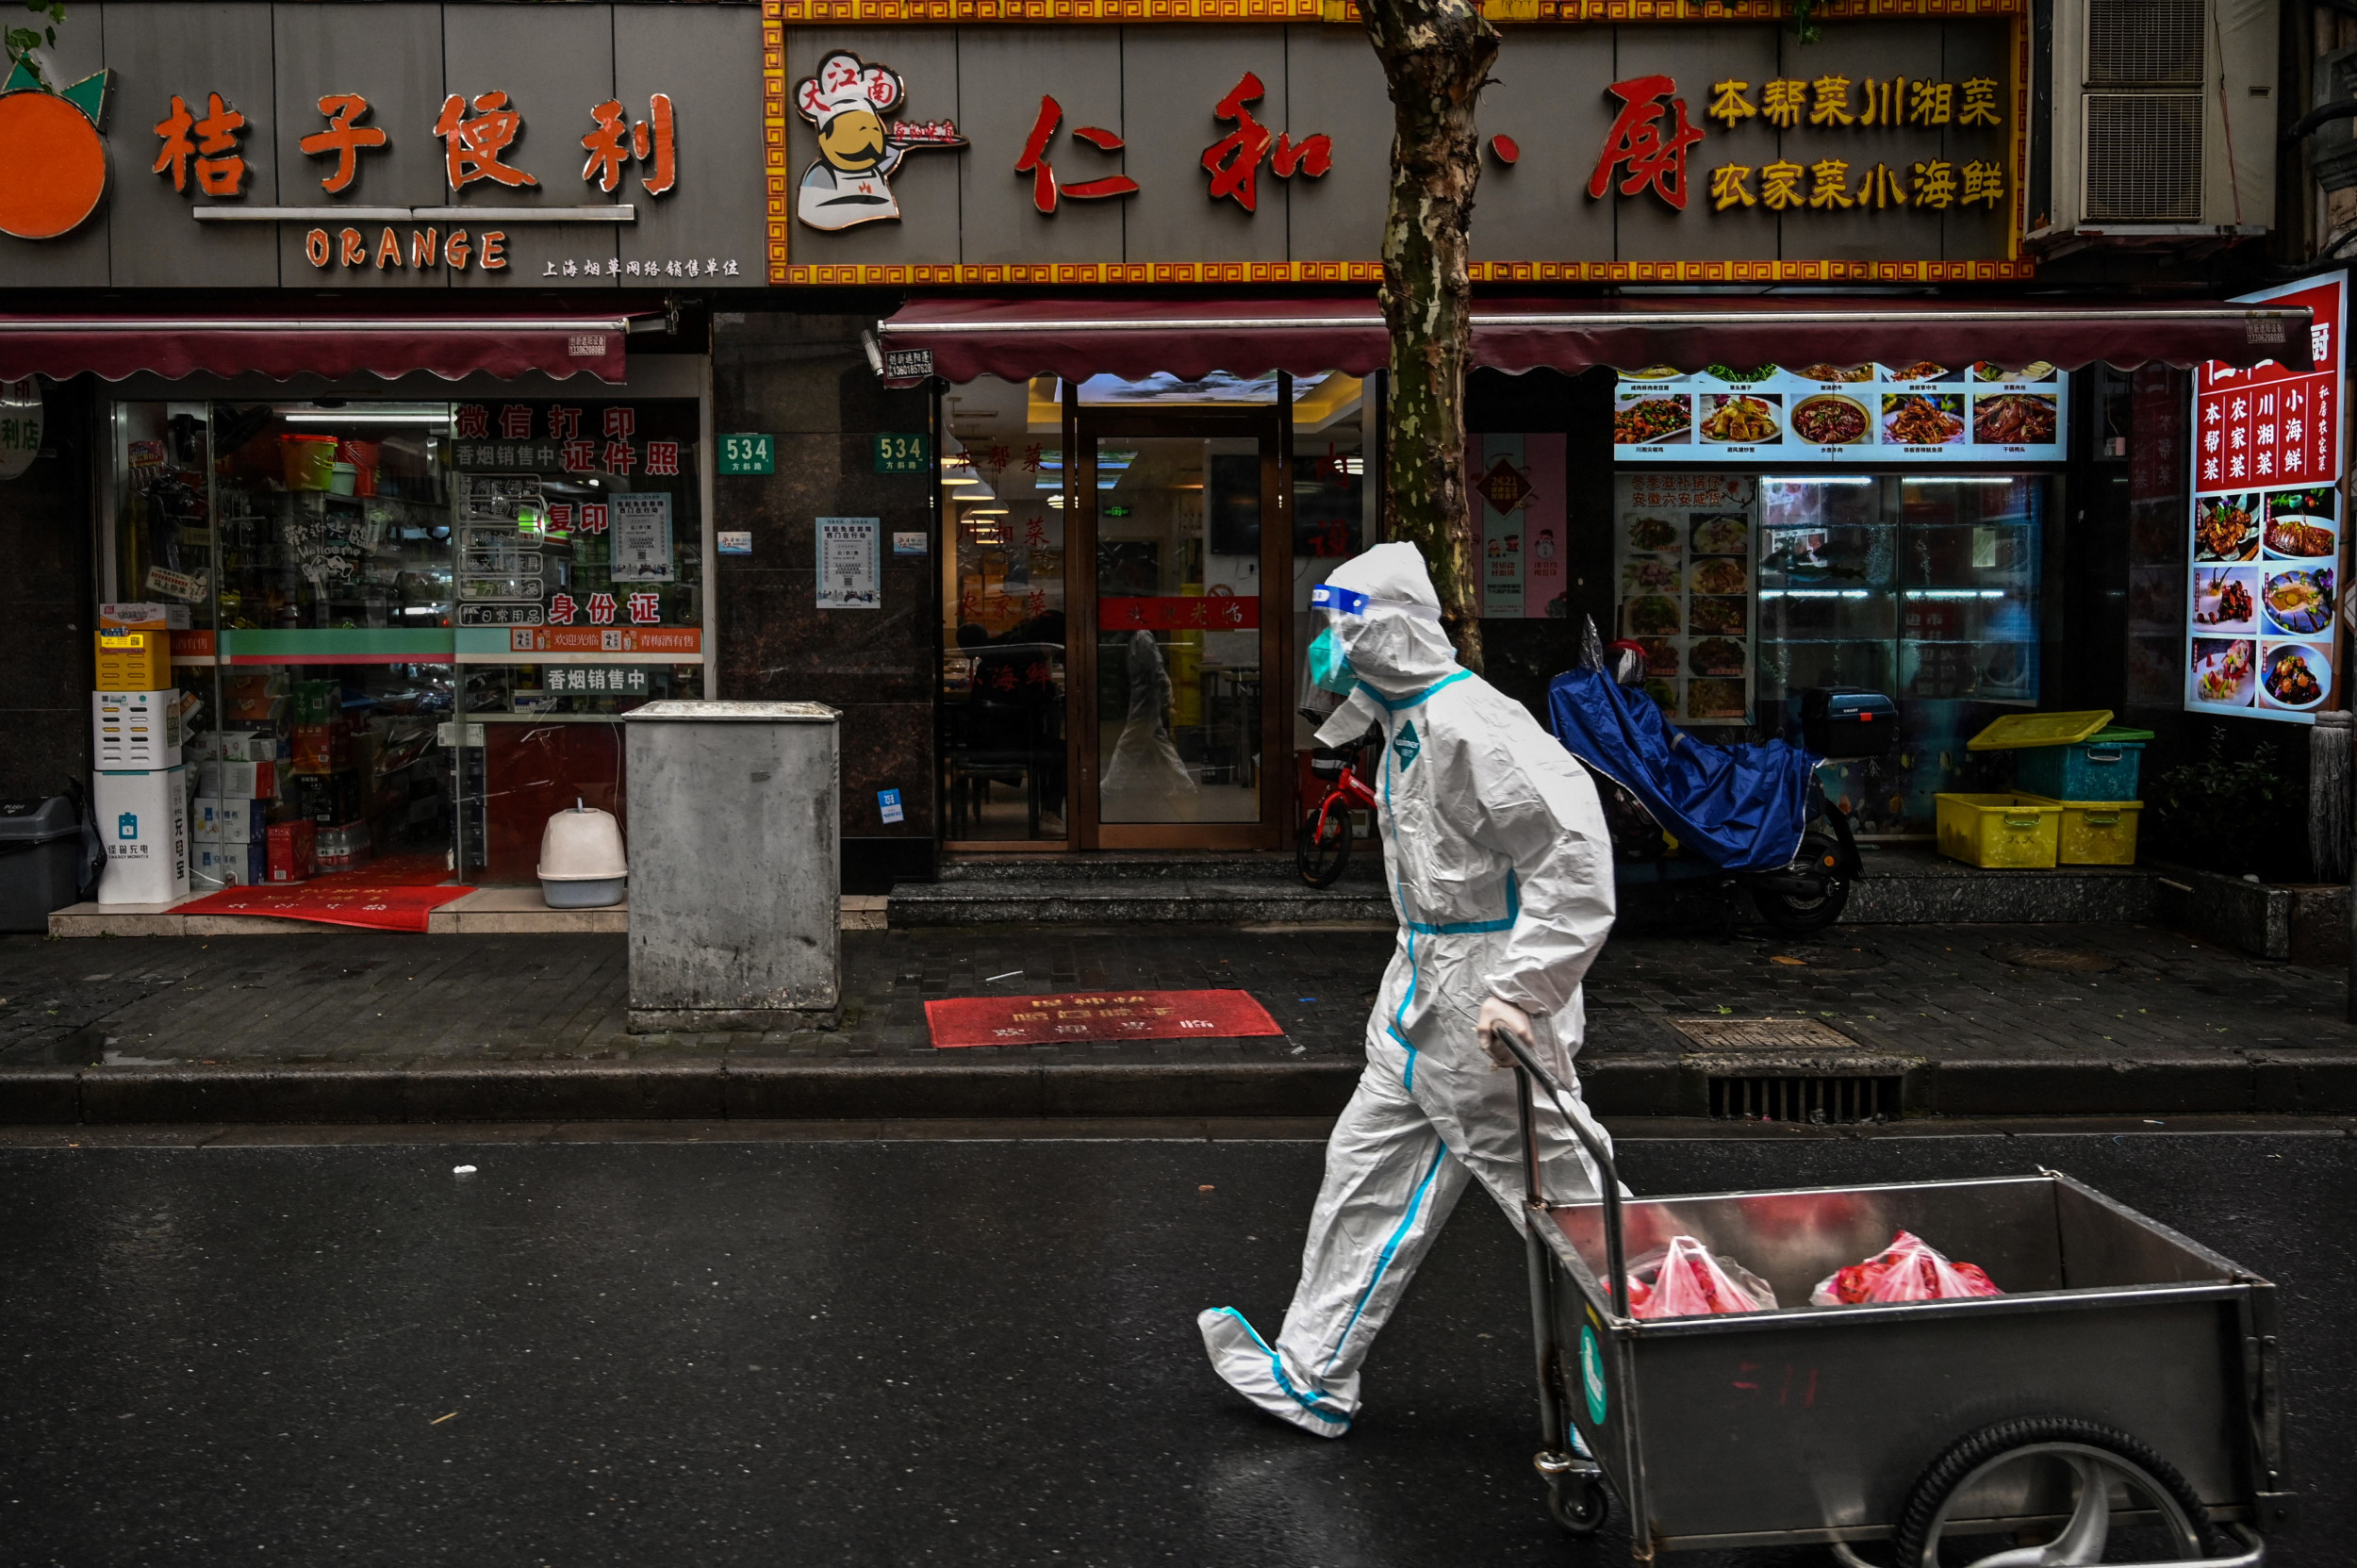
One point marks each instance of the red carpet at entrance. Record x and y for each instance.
(395, 894)
(1096, 1016)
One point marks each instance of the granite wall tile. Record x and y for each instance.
(887, 745)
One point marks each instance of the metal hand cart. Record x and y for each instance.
(2128, 1380)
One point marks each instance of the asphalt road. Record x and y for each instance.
(970, 1352)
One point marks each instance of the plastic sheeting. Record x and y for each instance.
(1742, 808)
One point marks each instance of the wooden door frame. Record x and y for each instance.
(1272, 427)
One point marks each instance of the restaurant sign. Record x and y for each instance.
(1892, 150)
(2268, 517)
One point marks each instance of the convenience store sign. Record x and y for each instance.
(1918, 414)
(2267, 521)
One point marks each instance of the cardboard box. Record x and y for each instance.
(152, 616)
(135, 731)
(317, 702)
(224, 822)
(133, 660)
(144, 816)
(248, 745)
(320, 748)
(237, 781)
(293, 851)
(220, 865)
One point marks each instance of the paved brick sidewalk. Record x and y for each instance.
(2081, 994)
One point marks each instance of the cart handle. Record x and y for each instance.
(1526, 1068)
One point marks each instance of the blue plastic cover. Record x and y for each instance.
(1742, 808)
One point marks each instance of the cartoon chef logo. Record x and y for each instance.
(847, 101)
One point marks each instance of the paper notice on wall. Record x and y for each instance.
(1517, 482)
(641, 526)
(848, 565)
(187, 586)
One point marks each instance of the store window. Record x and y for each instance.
(431, 612)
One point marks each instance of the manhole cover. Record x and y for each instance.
(2066, 960)
(1763, 1034)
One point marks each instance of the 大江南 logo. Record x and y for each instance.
(850, 183)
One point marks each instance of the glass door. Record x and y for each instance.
(1182, 741)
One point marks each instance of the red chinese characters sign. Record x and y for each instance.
(2268, 524)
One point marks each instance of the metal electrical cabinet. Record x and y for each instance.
(736, 866)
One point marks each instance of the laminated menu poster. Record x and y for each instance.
(1922, 413)
(2266, 524)
(1683, 549)
(1517, 483)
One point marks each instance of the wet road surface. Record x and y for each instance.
(872, 1352)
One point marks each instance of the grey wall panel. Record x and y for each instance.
(77, 258)
(391, 55)
(1550, 99)
(1695, 57)
(925, 184)
(708, 59)
(554, 62)
(1968, 49)
(1171, 90)
(1005, 71)
(158, 50)
(1909, 49)
(1335, 84)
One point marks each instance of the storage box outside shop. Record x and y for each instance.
(2103, 766)
(1999, 832)
(2095, 833)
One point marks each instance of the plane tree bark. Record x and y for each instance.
(1436, 56)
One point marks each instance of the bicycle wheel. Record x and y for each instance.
(1322, 847)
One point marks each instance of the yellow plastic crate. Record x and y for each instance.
(2017, 730)
(133, 660)
(2013, 832)
(2095, 833)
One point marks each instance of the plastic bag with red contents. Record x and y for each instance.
(1687, 1280)
(1906, 1270)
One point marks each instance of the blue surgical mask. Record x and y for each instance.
(1329, 668)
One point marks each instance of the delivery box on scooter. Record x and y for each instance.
(1845, 723)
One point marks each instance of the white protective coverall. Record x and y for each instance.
(1501, 872)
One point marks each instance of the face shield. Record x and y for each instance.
(1345, 611)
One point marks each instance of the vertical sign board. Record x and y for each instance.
(1517, 482)
(1684, 546)
(2267, 518)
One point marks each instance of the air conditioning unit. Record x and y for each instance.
(2163, 122)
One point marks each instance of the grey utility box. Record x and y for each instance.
(734, 866)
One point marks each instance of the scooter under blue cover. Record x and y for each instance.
(1742, 808)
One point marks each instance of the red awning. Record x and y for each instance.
(324, 343)
(1077, 338)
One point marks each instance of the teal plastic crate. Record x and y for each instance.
(2103, 766)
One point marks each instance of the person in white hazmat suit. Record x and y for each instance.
(1501, 872)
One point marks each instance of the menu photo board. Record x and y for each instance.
(2267, 521)
(1828, 413)
(1683, 550)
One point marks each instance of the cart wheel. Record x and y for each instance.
(2040, 1467)
(1579, 1503)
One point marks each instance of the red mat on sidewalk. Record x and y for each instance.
(1096, 1016)
(395, 894)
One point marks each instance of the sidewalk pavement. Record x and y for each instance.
(1952, 1020)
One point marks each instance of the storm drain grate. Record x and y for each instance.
(1820, 1099)
(1762, 1033)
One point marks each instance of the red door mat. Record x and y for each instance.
(396, 894)
(1096, 1016)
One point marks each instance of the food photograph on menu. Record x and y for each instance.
(1684, 543)
(1836, 411)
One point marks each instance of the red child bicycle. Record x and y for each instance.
(1322, 847)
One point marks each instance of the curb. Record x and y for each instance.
(2285, 1084)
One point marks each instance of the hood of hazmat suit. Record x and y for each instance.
(1500, 867)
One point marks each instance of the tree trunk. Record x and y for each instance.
(1436, 55)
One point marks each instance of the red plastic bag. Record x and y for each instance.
(1686, 1280)
(1906, 1270)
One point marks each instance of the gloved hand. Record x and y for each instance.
(1498, 1016)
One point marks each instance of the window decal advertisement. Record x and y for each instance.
(1683, 546)
(1517, 483)
(2263, 579)
(1828, 413)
